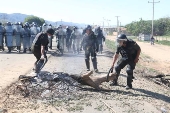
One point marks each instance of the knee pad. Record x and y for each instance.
(129, 71)
(93, 59)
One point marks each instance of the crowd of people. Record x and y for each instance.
(19, 36)
(39, 39)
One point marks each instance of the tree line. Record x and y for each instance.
(161, 27)
(37, 20)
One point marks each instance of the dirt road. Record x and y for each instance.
(145, 97)
(12, 65)
(141, 99)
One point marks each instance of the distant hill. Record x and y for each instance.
(18, 17)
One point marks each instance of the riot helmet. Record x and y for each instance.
(16, 23)
(121, 39)
(33, 23)
(20, 23)
(44, 24)
(26, 24)
(88, 27)
(75, 28)
(8, 23)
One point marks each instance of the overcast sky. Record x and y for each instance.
(88, 11)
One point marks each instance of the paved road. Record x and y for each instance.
(12, 65)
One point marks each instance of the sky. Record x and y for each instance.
(88, 11)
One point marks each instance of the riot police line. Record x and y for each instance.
(19, 37)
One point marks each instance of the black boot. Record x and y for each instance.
(25, 50)
(30, 49)
(129, 82)
(9, 49)
(95, 65)
(18, 49)
(87, 65)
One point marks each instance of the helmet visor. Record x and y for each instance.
(119, 42)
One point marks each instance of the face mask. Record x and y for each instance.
(49, 36)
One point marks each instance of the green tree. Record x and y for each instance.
(35, 19)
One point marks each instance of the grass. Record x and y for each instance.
(132, 37)
(111, 45)
(163, 42)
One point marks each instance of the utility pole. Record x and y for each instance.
(103, 24)
(117, 25)
(153, 13)
(120, 27)
(61, 22)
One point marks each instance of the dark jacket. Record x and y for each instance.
(42, 41)
(68, 33)
(89, 41)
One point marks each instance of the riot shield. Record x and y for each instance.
(34, 32)
(1, 36)
(9, 36)
(26, 38)
(17, 35)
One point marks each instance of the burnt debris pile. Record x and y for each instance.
(49, 85)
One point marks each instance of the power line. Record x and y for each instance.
(153, 13)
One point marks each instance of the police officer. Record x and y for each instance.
(1, 37)
(50, 38)
(40, 45)
(89, 44)
(68, 40)
(130, 52)
(76, 38)
(60, 36)
(34, 31)
(26, 37)
(100, 38)
(17, 35)
(9, 33)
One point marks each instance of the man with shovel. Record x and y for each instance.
(40, 47)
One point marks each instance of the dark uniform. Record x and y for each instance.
(1, 37)
(68, 40)
(89, 44)
(128, 53)
(100, 38)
